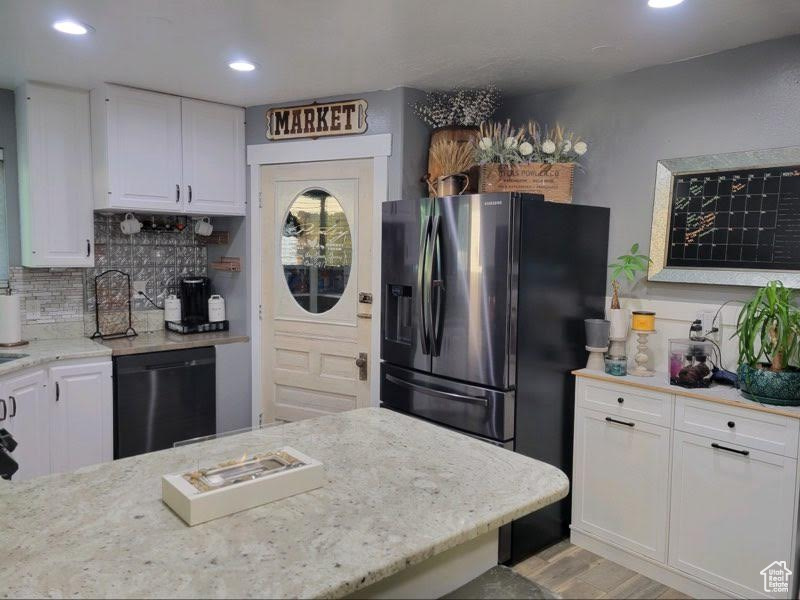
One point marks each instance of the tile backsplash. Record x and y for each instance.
(60, 302)
(158, 258)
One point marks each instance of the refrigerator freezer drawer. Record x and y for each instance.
(480, 411)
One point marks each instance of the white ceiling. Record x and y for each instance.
(314, 48)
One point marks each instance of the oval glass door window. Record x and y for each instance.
(316, 250)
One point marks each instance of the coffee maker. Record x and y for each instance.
(194, 293)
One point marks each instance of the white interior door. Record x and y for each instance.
(317, 256)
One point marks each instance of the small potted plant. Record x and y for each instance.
(455, 115)
(528, 160)
(769, 346)
(628, 266)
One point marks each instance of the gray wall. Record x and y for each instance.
(8, 142)
(741, 99)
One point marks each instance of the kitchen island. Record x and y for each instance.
(405, 502)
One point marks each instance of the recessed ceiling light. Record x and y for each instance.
(663, 3)
(72, 27)
(242, 65)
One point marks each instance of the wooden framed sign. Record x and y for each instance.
(317, 120)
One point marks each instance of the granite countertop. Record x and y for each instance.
(157, 341)
(720, 394)
(41, 352)
(398, 491)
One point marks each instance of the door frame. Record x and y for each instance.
(377, 147)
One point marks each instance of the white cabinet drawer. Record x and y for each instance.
(757, 430)
(625, 401)
(621, 482)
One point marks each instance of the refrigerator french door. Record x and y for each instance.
(482, 321)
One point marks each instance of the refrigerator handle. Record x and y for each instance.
(423, 250)
(434, 316)
(434, 392)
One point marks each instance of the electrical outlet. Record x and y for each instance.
(139, 285)
(706, 317)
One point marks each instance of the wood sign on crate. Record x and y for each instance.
(317, 120)
(554, 181)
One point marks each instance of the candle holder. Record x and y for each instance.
(641, 370)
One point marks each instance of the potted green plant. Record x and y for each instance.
(628, 266)
(769, 346)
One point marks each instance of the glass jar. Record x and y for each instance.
(616, 365)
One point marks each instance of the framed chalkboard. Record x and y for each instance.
(728, 218)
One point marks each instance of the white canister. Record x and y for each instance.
(216, 308)
(172, 308)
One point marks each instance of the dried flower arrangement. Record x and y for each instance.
(501, 144)
(453, 157)
(461, 107)
(505, 145)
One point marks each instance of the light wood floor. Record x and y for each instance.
(573, 572)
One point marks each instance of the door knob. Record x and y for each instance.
(361, 363)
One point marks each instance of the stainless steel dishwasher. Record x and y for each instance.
(163, 397)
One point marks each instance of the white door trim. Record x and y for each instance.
(378, 148)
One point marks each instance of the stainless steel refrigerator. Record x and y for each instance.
(484, 298)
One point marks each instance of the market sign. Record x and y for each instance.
(317, 120)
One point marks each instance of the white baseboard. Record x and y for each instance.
(659, 572)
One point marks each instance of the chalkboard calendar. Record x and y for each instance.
(737, 219)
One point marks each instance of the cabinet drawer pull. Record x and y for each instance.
(177, 193)
(626, 423)
(13, 406)
(5, 409)
(620, 399)
(734, 450)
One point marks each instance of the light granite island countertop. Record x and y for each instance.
(398, 491)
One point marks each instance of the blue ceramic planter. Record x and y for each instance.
(768, 387)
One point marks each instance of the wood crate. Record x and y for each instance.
(554, 182)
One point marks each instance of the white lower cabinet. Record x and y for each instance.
(61, 416)
(27, 418)
(82, 418)
(732, 512)
(620, 479)
(703, 500)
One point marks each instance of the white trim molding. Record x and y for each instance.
(377, 147)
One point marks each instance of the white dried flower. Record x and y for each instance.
(566, 146)
(548, 146)
(485, 143)
(526, 149)
(580, 148)
(510, 142)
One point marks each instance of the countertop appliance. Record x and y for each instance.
(194, 308)
(484, 298)
(163, 397)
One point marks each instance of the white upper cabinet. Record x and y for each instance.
(213, 157)
(137, 149)
(55, 176)
(161, 153)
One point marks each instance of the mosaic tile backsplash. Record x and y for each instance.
(159, 258)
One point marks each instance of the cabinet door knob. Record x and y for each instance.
(13, 406)
(731, 424)
(620, 399)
